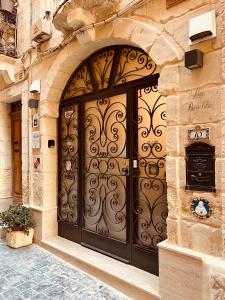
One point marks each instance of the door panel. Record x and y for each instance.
(106, 167)
(112, 179)
(16, 156)
(68, 172)
(150, 205)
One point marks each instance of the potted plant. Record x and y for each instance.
(19, 224)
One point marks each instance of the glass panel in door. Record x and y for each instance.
(151, 204)
(106, 167)
(68, 168)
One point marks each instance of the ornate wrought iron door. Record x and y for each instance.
(112, 184)
(150, 203)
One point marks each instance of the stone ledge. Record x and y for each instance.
(129, 280)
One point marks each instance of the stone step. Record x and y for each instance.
(132, 282)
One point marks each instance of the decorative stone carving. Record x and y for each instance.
(217, 283)
(84, 11)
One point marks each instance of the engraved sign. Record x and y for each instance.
(198, 134)
(170, 3)
(36, 140)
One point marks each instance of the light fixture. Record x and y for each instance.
(193, 59)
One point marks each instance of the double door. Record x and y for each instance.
(112, 185)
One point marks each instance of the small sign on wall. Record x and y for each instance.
(37, 163)
(36, 140)
(171, 3)
(198, 134)
(200, 208)
(35, 121)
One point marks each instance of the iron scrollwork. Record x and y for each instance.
(110, 67)
(133, 64)
(151, 206)
(105, 163)
(68, 174)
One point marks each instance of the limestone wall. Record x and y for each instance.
(193, 98)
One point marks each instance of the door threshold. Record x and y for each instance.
(131, 281)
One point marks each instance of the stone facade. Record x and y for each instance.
(192, 259)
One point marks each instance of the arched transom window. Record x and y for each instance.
(109, 67)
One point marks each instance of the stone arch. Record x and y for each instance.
(148, 36)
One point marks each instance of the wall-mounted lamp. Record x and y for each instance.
(193, 59)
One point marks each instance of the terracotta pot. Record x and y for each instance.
(7, 5)
(17, 239)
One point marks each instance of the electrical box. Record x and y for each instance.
(41, 31)
(202, 27)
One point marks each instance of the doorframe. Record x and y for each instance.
(66, 229)
(16, 112)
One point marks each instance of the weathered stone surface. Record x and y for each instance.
(217, 283)
(172, 231)
(199, 106)
(156, 9)
(169, 79)
(37, 189)
(172, 141)
(180, 274)
(173, 202)
(206, 239)
(209, 74)
(171, 110)
(171, 171)
(165, 50)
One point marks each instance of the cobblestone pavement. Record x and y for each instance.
(33, 273)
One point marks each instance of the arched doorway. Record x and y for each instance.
(112, 151)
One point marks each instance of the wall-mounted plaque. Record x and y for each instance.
(36, 140)
(37, 163)
(170, 3)
(200, 167)
(35, 120)
(198, 134)
(200, 208)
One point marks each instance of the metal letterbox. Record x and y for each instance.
(200, 167)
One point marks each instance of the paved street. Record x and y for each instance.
(33, 273)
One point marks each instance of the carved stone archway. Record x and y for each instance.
(147, 36)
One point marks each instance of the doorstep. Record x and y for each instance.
(132, 282)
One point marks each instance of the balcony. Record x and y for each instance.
(72, 14)
(8, 33)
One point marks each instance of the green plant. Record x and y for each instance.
(17, 218)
